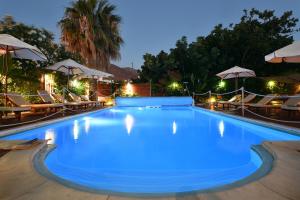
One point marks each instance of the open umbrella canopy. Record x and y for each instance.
(68, 67)
(19, 49)
(236, 72)
(289, 54)
(94, 74)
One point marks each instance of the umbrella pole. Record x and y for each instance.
(68, 78)
(6, 72)
(236, 83)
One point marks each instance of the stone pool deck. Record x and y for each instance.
(20, 180)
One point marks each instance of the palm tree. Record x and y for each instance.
(90, 28)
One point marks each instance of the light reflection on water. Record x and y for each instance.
(87, 124)
(221, 128)
(75, 130)
(50, 136)
(174, 127)
(129, 121)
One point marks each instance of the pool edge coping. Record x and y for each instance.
(251, 178)
(265, 154)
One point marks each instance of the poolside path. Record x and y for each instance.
(19, 180)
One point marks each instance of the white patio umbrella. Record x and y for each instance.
(236, 72)
(18, 49)
(289, 54)
(68, 67)
(94, 74)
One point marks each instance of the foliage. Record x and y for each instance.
(174, 89)
(244, 44)
(24, 75)
(91, 28)
(79, 87)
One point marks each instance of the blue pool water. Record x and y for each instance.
(153, 149)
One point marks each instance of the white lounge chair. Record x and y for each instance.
(247, 100)
(87, 102)
(292, 105)
(73, 105)
(18, 100)
(235, 98)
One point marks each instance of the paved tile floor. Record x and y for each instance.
(19, 180)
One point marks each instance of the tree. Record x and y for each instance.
(91, 28)
(24, 75)
(245, 44)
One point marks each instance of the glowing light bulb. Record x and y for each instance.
(129, 89)
(271, 84)
(222, 84)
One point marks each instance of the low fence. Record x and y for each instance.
(290, 103)
(65, 106)
(240, 101)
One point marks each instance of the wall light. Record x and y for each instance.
(212, 100)
(298, 88)
(221, 84)
(2, 52)
(271, 84)
(129, 89)
(174, 85)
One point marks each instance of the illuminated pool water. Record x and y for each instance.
(153, 150)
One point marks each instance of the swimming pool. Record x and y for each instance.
(167, 146)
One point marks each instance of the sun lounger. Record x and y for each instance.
(46, 97)
(235, 98)
(247, 99)
(73, 105)
(78, 99)
(96, 103)
(264, 102)
(16, 110)
(292, 105)
(17, 100)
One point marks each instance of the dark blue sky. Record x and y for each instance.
(150, 25)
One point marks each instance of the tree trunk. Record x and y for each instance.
(93, 90)
(102, 61)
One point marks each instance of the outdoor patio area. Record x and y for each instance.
(165, 100)
(280, 183)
